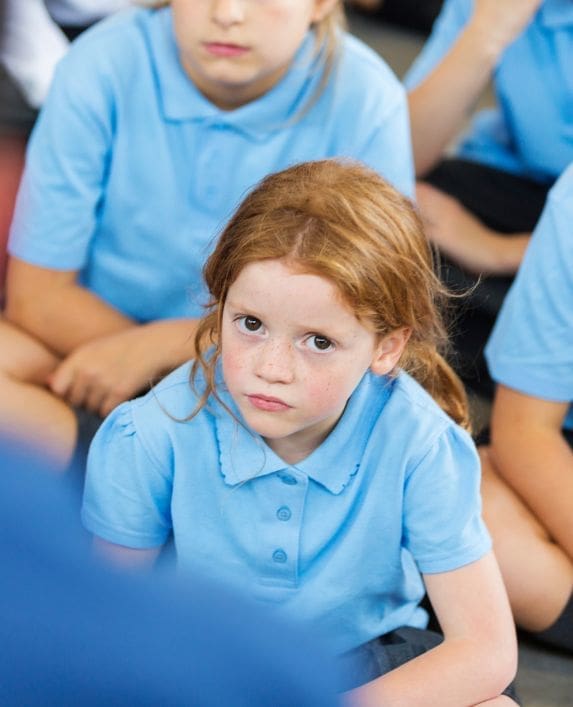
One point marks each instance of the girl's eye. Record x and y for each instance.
(250, 323)
(320, 343)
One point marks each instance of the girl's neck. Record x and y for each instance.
(295, 448)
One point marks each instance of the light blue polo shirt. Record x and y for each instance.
(531, 346)
(531, 131)
(337, 539)
(131, 172)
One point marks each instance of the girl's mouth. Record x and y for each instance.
(268, 404)
(221, 49)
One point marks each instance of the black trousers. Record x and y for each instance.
(412, 14)
(508, 204)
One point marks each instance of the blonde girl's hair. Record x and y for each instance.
(327, 41)
(340, 220)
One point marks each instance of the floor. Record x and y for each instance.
(545, 678)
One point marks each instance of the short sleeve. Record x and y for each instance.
(451, 20)
(443, 528)
(388, 148)
(127, 496)
(531, 346)
(66, 167)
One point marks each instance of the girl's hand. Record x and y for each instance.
(105, 372)
(464, 239)
(502, 22)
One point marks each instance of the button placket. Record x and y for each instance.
(282, 545)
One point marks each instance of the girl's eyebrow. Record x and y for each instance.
(239, 306)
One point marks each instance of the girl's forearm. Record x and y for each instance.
(457, 672)
(441, 104)
(172, 340)
(53, 308)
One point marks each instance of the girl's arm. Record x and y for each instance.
(442, 102)
(478, 657)
(107, 357)
(125, 557)
(50, 305)
(531, 454)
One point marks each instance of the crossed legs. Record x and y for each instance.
(537, 573)
(29, 412)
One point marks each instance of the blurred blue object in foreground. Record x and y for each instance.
(73, 632)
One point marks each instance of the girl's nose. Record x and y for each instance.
(227, 13)
(275, 362)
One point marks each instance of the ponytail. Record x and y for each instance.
(436, 376)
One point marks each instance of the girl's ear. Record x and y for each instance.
(389, 350)
(322, 8)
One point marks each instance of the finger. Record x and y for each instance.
(61, 379)
(79, 391)
(94, 399)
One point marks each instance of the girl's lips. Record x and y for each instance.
(268, 404)
(225, 50)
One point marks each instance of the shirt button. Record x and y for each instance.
(284, 513)
(288, 479)
(279, 556)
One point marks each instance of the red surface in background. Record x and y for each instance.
(12, 150)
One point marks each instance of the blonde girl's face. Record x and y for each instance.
(293, 353)
(236, 50)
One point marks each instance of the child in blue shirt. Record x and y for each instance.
(482, 202)
(300, 456)
(77, 633)
(529, 501)
(158, 121)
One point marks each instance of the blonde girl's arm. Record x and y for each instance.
(445, 98)
(531, 454)
(107, 357)
(54, 308)
(478, 657)
(125, 557)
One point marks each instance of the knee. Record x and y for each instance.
(23, 359)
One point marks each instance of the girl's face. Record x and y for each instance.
(236, 50)
(292, 354)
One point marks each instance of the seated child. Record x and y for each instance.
(528, 469)
(157, 123)
(481, 204)
(311, 453)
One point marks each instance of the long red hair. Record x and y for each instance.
(342, 221)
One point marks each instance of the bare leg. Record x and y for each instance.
(460, 236)
(28, 410)
(537, 573)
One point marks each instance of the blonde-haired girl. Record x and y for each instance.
(158, 122)
(314, 469)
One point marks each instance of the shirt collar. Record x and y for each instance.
(182, 101)
(557, 13)
(244, 456)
